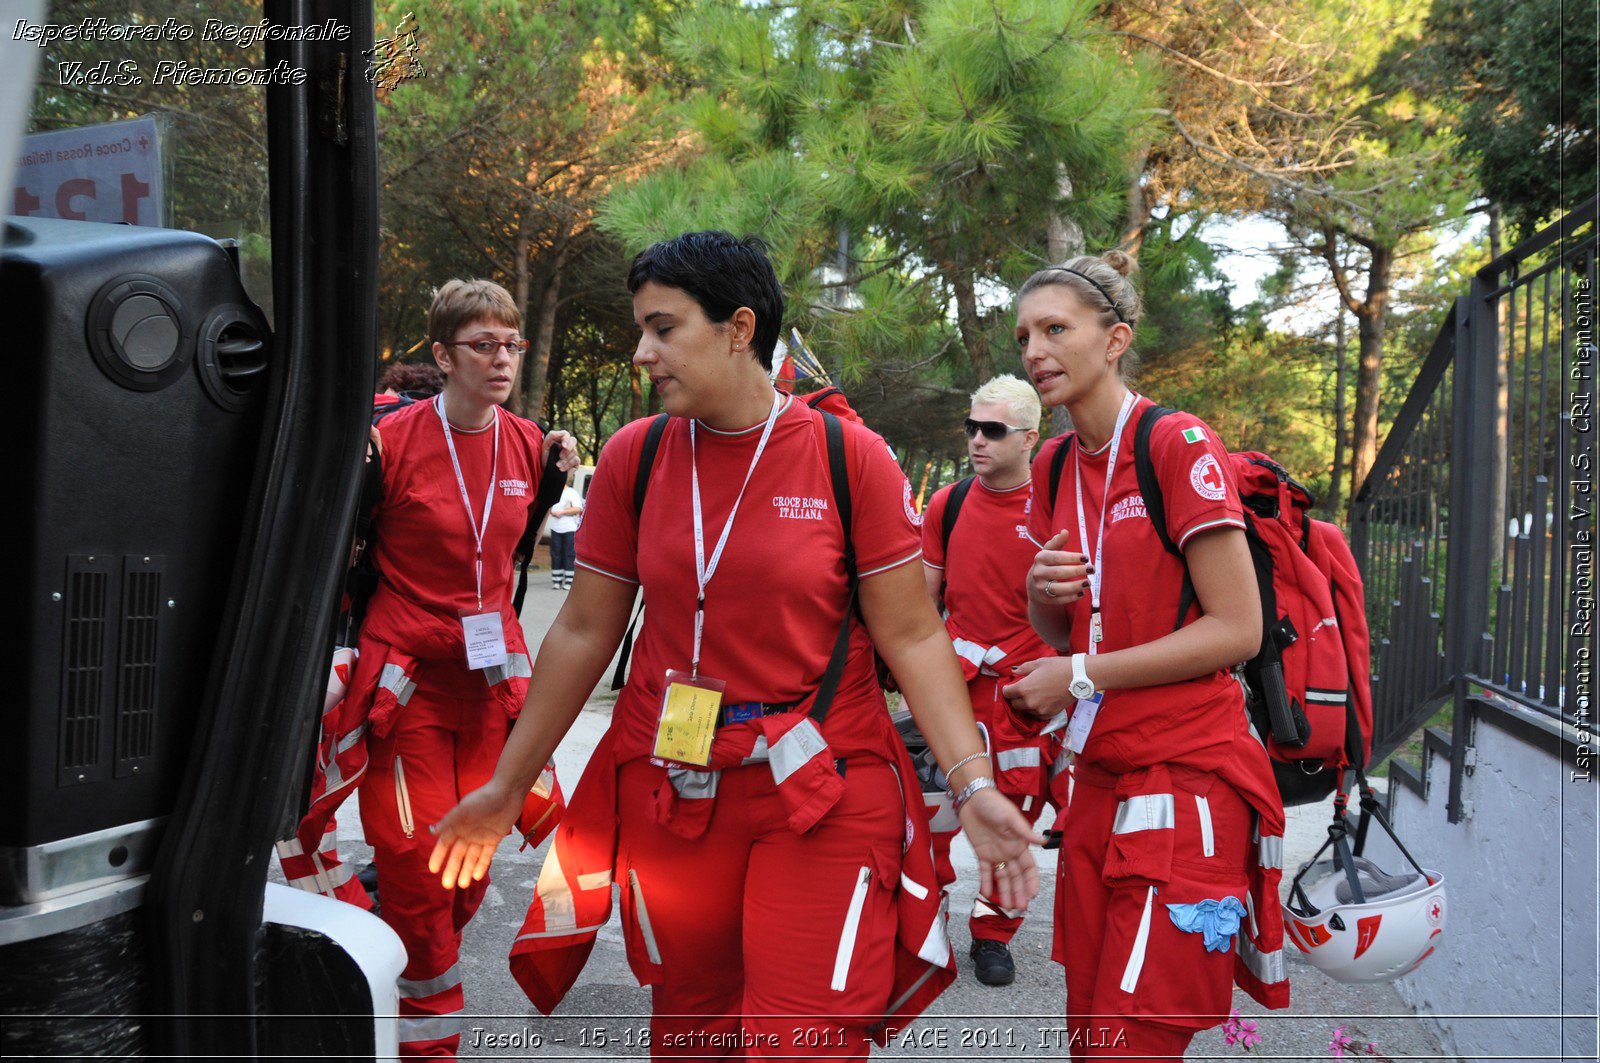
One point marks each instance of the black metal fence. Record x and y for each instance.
(1474, 528)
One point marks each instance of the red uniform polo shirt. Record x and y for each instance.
(1196, 721)
(425, 547)
(990, 553)
(774, 605)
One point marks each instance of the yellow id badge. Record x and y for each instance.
(689, 711)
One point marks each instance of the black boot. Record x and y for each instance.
(992, 963)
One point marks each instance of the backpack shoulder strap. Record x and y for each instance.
(1149, 483)
(1155, 507)
(839, 473)
(641, 485)
(647, 460)
(952, 508)
(1058, 464)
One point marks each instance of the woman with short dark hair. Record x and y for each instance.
(773, 871)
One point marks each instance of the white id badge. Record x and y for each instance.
(485, 637)
(1082, 721)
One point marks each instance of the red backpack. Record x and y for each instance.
(1309, 686)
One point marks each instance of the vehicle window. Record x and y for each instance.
(153, 113)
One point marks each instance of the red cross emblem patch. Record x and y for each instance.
(1206, 478)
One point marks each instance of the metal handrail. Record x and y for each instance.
(1487, 406)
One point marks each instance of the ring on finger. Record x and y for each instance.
(1048, 593)
(1000, 865)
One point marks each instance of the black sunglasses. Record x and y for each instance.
(996, 430)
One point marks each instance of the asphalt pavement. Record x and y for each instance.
(607, 1013)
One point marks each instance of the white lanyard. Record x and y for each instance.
(702, 571)
(488, 502)
(1097, 556)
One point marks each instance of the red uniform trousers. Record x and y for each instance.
(989, 921)
(1138, 987)
(438, 750)
(758, 941)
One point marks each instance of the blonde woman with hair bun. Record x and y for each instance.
(1166, 890)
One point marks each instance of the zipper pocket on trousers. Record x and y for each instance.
(1141, 941)
(643, 915)
(1208, 841)
(852, 928)
(402, 799)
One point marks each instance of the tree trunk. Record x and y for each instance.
(1063, 236)
(537, 364)
(970, 325)
(523, 280)
(635, 393)
(1370, 323)
(1336, 485)
(1138, 209)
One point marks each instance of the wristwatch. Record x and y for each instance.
(1081, 687)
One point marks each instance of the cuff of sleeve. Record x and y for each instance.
(893, 564)
(606, 572)
(1206, 525)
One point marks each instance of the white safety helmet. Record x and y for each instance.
(1395, 925)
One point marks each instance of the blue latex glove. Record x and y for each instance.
(1217, 920)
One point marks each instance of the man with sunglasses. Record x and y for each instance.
(975, 568)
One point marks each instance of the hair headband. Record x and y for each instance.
(1098, 288)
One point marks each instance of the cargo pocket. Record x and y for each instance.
(402, 800)
(1191, 924)
(638, 932)
(1188, 984)
(1142, 838)
(874, 880)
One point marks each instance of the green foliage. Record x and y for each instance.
(1521, 80)
(940, 137)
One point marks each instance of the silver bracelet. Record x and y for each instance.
(964, 761)
(982, 782)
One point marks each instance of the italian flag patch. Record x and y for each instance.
(1194, 435)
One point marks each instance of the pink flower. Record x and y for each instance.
(1232, 1029)
(1340, 1042)
(1248, 1037)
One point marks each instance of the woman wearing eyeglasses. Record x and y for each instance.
(443, 666)
(974, 565)
(777, 890)
(1166, 891)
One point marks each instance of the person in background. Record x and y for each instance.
(1167, 882)
(404, 383)
(772, 874)
(974, 578)
(564, 518)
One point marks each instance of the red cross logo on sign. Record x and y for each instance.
(1206, 478)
